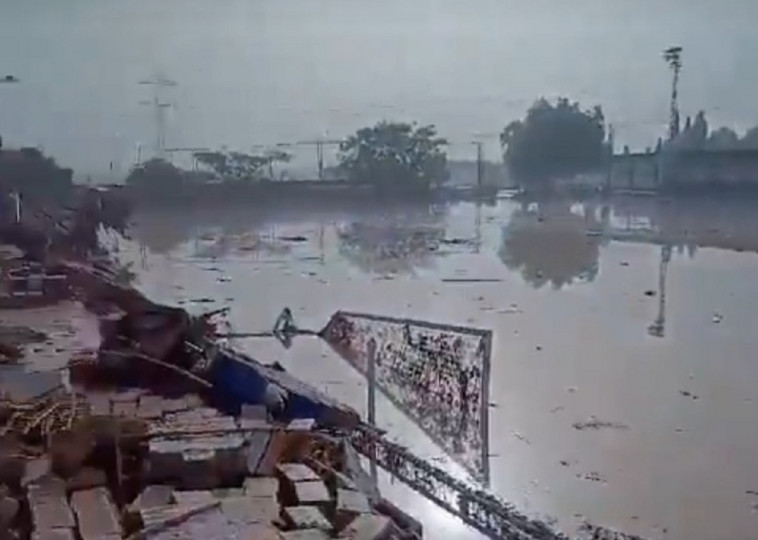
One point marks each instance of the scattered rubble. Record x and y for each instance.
(594, 423)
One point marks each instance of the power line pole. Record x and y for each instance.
(673, 56)
(159, 107)
(479, 164)
(319, 144)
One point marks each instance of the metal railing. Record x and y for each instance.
(477, 508)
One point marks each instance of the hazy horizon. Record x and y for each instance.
(262, 72)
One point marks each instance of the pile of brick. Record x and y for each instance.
(88, 513)
(195, 473)
(294, 504)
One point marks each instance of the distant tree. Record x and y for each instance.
(723, 139)
(750, 140)
(554, 141)
(36, 176)
(245, 167)
(700, 129)
(694, 136)
(218, 162)
(395, 155)
(276, 156)
(155, 175)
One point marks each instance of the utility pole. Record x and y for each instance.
(319, 144)
(673, 56)
(159, 107)
(479, 164)
(15, 195)
(611, 153)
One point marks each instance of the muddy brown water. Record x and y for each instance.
(592, 417)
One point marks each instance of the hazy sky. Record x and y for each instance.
(252, 72)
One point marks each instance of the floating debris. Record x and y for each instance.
(471, 280)
(594, 423)
(592, 476)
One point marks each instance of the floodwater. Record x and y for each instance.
(570, 292)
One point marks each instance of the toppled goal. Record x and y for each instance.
(436, 374)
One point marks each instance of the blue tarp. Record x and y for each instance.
(241, 380)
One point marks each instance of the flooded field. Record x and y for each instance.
(622, 382)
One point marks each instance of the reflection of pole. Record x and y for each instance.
(371, 377)
(17, 198)
(478, 227)
(479, 165)
(321, 242)
(320, 159)
(658, 328)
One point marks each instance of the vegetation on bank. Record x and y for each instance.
(554, 141)
(55, 214)
(29, 172)
(697, 135)
(395, 156)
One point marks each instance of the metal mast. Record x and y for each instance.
(160, 107)
(673, 56)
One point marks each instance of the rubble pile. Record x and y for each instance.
(131, 463)
(138, 437)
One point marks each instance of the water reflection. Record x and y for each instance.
(685, 225)
(390, 248)
(165, 229)
(556, 243)
(549, 243)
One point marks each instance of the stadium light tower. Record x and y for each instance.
(673, 56)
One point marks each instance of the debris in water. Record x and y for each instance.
(624, 263)
(594, 423)
(650, 292)
(471, 280)
(296, 238)
(717, 318)
(458, 241)
(594, 532)
(592, 476)
(688, 394)
(520, 437)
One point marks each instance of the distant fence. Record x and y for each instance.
(319, 160)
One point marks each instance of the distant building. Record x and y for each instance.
(686, 170)
(465, 173)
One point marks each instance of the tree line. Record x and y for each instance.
(554, 140)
